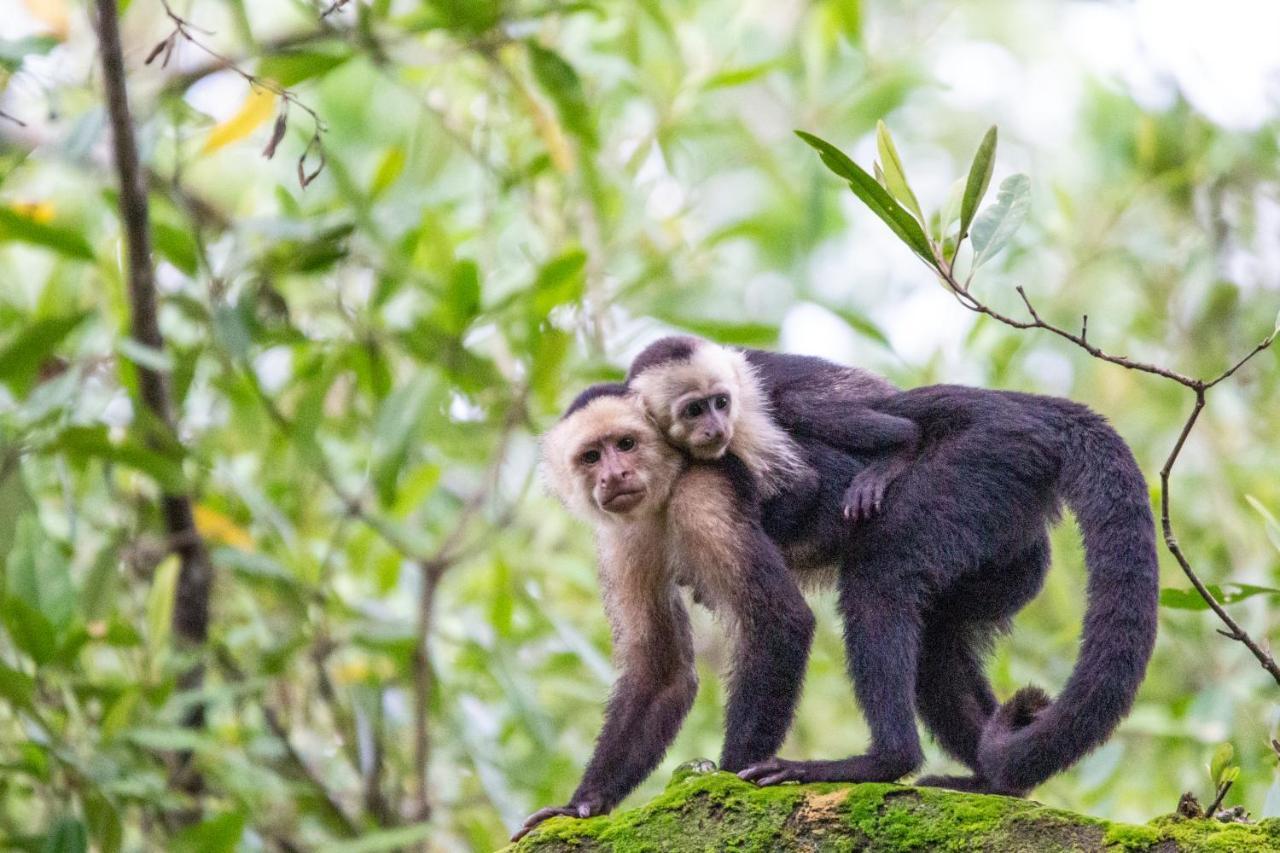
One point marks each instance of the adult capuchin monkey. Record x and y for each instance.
(662, 520)
(957, 548)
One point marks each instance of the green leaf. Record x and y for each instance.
(461, 304)
(82, 442)
(16, 687)
(1221, 759)
(218, 834)
(104, 822)
(39, 575)
(562, 84)
(1227, 594)
(290, 68)
(144, 356)
(30, 631)
(168, 739)
(24, 355)
(67, 836)
(1269, 522)
(1187, 599)
(389, 169)
(97, 594)
(984, 163)
(61, 239)
(862, 324)
(895, 177)
(875, 197)
(177, 246)
(1231, 774)
(995, 226)
(164, 586)
(15, 501)
(738, 76)
(561, 280)
(950, 211)
(14, 51)
(401, 418)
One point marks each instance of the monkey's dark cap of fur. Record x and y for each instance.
(604, 389)
(661, 351)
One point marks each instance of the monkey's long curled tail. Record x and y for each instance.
(1030, 738)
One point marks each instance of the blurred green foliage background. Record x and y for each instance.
(516, 197)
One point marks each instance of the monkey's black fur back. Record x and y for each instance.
(961, 546)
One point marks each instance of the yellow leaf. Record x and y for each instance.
(36, 211)
(257, 108)
(215, 525)
(51, 13)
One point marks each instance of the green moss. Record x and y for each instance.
(702, 811)
(1122, 836)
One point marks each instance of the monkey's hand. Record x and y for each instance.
(587, 807)
(865, 494)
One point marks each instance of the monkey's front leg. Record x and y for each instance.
(647, 706)
(775, 630)
(882, 637)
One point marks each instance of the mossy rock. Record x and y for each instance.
(718, 811)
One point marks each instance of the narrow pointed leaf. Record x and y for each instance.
(1221, 758)
(995, 226)
(874, 196)
(1269, 522)
(984, 162)
(895, 177)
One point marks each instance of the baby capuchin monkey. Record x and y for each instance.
(663, 520)
(766, 409)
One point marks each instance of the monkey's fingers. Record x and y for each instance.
(777, 779)
(775, 771)
(542, 814)
(756, 772)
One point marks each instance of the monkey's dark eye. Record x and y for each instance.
(722, 401)
(626, 444)
(693, 410)
(591, 457)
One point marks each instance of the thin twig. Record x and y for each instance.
(309, 164)
(1198, 387)
(300, 764)
(1217, 801)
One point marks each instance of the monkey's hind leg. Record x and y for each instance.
(882, 644)
(953, 697)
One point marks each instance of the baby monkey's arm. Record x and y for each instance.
(854, 426)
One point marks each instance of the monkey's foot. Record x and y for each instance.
(865, 494)
(859, 768)
(970, 784)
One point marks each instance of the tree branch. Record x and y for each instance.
(191, 601)
(1199, 387)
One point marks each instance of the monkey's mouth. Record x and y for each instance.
(710, 451)
(622, 501)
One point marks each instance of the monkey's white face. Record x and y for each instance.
(702, 421)
(608, 461)
(695, 401)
